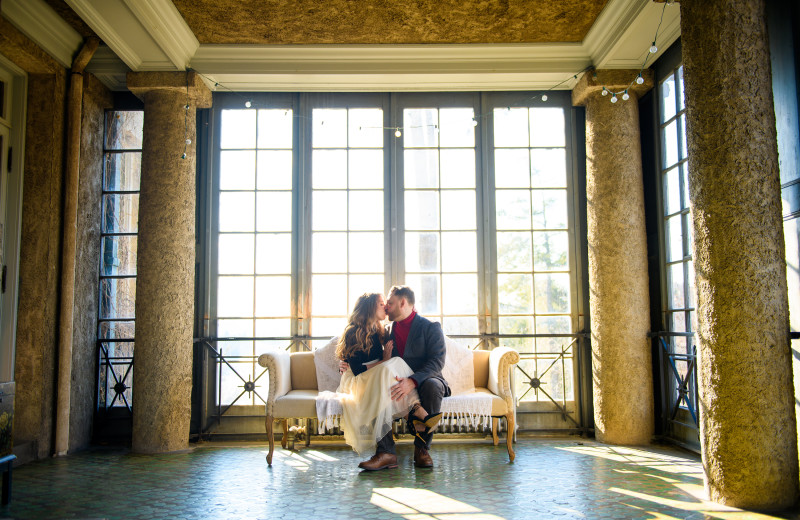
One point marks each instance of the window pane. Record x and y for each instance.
(329, 128)
(366, 169)
(514, 251)
(237, 170)
(236, 254)
(459, 252)
(457, 168)
(122, 171)
(118, 256)
(273, 296)
(236, 328)
(329, 210)
(275, 128)
(547, 127)
(329, 253)
(549, 209)
(238, 129)
(274, 170)
(124, 130)
(421, 210)
(235, 296)
(685, 168)
(460, 325)
(366, 210)
(553, 325)
(672, 191)
(669, 140)
(329, 169)
(366, 127)
(274, 211)
(329, 295)
(117, 298)
(515, 293)
(419, 127)
(692, 286)
(458, 209)
(682, 137)
(456, 127)
(328, 327)
(459, 293)
(366, 254)
(120, 213)
(510, 127)
(421, 169)
(426, 293)
(117, 329)
(551, 251)
(668, 99)
(552, 293)
(675, 284)
(513, 209)
(680, 89)
(548, 168)
(236, 212)
(274, 253)
(272, 328)
(672, 228)
(516, 325)
(512, 168)
(363, 283)
(422, 252)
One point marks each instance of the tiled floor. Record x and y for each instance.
(551, 478)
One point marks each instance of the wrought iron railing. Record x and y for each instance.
(678, 390)
(117, 370)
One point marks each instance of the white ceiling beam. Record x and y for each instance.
(39, 22)
(161, 19)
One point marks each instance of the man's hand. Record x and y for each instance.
(343, 367)
(401, 389)
(387, 350)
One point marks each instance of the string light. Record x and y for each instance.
(625, 96)
(653, 48)
(639, 79)
(544, 97)
(248, 104)
(397, 132)
(186, 140)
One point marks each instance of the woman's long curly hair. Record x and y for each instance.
(361, 325)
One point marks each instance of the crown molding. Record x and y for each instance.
(39, 22)
(612, 23)
(106, 31)
(631, 48)
(163, 22)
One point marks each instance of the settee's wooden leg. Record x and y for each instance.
(495, 427)
(510, 436)
(308, 432)
(271, 439)
(285, 438)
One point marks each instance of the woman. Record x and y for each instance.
(368, 408)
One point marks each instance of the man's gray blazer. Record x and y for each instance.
(425, 351)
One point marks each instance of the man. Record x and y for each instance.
(420, 342)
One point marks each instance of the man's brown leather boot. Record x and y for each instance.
(422, 459)
(378, 461)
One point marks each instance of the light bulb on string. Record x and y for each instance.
(474, 122)
(397, 132)
(605, 92)
(183, 155)
(625, 96)
(188, 141)
(544, 97)
(639, 79)
(653, 48)
(613, 98)
(248, 104)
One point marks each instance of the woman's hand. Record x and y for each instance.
(387, 350)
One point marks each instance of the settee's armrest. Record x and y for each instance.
(501, 363)
(280, 378)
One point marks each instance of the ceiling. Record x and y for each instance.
(353, 45)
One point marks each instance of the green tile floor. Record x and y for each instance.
(564, 478)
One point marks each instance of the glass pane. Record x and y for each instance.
(426, 293)
(681, 105)
(459, 293)
(329, 295)
(117, 329)
(421, 169)
(685, 169)
(552, 293)
(328, 327)
(366, 210)
(419, 127)
(458, 209)
(237, 170)
(672, 191)
(366, 254)
(461, 325)
(514, 251)
(682, 136)
(512, 168)
(668, 98)
(549, 209)
(669, 140)
(124, 130)
(120, 213)
(329, 169)
(456, 127)
(672, 230)
(513, 209)
(553, 325)
(236, 253)
(329, 252)
(547, 127)
(238, 129)
(118, 256)
(515, 293)
(329, 210)
(123, 171)
(273, 296)
(274, 253)
(237, 212)
(422, 252)
(459, 252)
(457, 168)
(551, 251)
(329, 128)
(421, 210)
(363, 283)
(366, 169)
(516, 325)
(692, 287)
(234, 329)
(229, 386)
(511, 127)
(689, 234)
(274, 171)
(274, 211)
(275, 128)
(235, 296)
(675, 286)
(117, 298)
(549, 168)
(366, 127)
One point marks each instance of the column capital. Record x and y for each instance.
(593, 82)
(141, 83)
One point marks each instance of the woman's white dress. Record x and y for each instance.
(368, 409)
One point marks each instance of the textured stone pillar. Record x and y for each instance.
(618, 281)
(747, 428)
(162, 373)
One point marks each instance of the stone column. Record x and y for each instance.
(162, 370)
(747, 428)
(618, 281)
